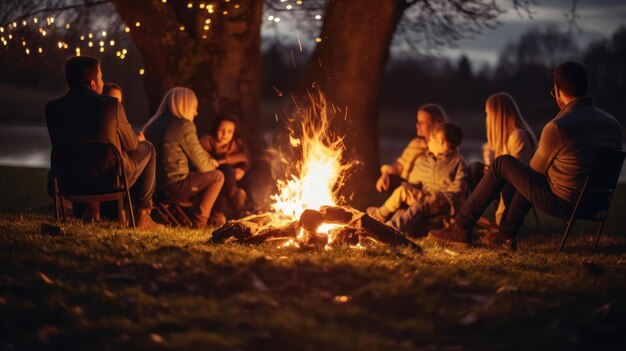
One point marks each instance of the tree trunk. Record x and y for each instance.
(347, 65)
(221, 64)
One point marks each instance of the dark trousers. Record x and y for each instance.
(201, 187)
(477, 171)
(528, 188)
(230, 183)
(142, 179)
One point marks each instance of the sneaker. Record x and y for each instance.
(375, 213)
(451, 235)
(496, 239)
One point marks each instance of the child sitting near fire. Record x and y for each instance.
(436, 185)
(228, 148)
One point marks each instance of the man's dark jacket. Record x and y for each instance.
(85, 116)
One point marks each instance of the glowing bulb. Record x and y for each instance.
(122, 57)
(35, 20)
(137, 24)
(202, 5)
(104, 33)
(51, 19)
(60, 45)
(225, 12)
(277, 19)
(23, 42)
(318, 17)
(237, 6)
(189, 5)
(124, 51)
(142, 71)
(208, 20)
(1, 29)
(118, 54)
(205, 36)
(112, 42)
(23, 23)
(206, 27)
(101, 49)
(270, 18)
(182, 28)
(67, 26)
(40, 50)
(90, 44)
(299, 2)
(288, 7)
(90, 35)
(164, 1)
(43, 32)
(318, 40)
(10, 36)
(101, 43)
(127, 29)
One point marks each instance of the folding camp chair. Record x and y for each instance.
(90, 172)
(597, 192)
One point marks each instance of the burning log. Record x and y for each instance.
(383, 233)
(285, 232)
(239, 229)
(345, 236)
(334, 214)
(310, 220)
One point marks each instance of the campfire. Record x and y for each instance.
(307, 210)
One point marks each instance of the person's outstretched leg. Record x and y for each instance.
(211, 183)
(504, 170)
(406, 221)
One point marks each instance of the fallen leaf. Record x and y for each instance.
(258, 284)
(506, 288)
(450, 252)
(341, 299)
(46, 332)
(46, 279)
(156, 338)
(471, 318)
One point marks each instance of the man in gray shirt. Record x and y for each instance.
(557, 170)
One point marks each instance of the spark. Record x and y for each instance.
(293, 59)
(280, 93)
(299, 43)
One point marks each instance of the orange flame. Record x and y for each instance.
(320, 172)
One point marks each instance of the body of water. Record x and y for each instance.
(29, 146)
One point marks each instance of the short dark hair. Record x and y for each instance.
(452, 133)
(80, 70)
(222, 117)
(436, 112)
(571, 78)
(110, 86)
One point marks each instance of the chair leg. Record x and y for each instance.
(567, 230)
(165, 214)
(595, 245)
(121, 212)
(182, 215)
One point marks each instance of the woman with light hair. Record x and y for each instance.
(507, 134)
(178, 148)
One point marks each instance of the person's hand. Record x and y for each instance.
(215, 163)
(221, 161)
(141, 136)
(385, 169)
(239, 173)
(382, 184)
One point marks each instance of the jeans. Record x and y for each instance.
(204, 187)
(527, 188)
(142, 179)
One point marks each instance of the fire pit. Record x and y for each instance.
(305, 212)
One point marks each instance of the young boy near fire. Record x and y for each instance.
(436, 185)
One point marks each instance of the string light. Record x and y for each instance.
(104, 33)
(277, 19)
(112, 42)
(127, 29)
(182, 28)
(102, 49)
(288, 7)
(35, 20)
(237, 6)
(190, 5)
(270, 18)
(318, 17)
(101, 43)
(90, 44)
(27, 51)
(82, 37)
(318, 40)
(142, 71)
(67, 26)
(40, 50)
(90, 35)
(225, 12)
(137, 24)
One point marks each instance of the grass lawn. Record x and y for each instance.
(106, 287)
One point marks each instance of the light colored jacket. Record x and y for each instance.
(416, 148)
(444, 176)
(178, 149)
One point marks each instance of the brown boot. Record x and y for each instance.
(144, 221)
(217, 220)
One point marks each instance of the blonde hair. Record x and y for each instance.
(503, 118)
(180, 102)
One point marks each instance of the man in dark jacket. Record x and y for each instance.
(557, 170)
(83, 115)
